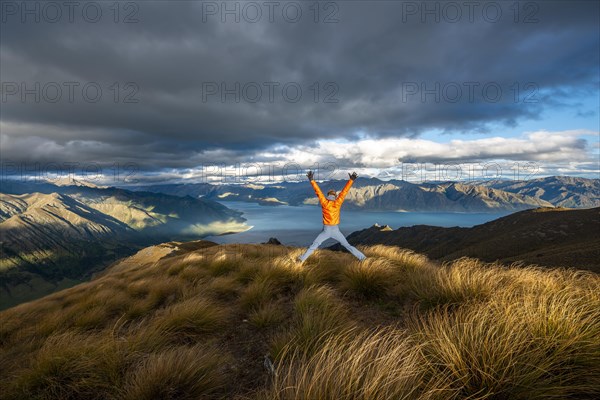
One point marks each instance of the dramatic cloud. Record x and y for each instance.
(533, 153)
(384, 153)
(180, 88)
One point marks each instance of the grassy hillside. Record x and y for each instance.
(196, 320)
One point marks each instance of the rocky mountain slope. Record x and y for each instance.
(369, 194)
(561, 191)
(68, 232)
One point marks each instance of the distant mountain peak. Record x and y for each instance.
(70, 181)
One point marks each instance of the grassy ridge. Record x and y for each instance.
(198, 324)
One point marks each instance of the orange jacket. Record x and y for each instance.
(331, 208)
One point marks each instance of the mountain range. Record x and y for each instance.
(49, 233)
(396, 195)
(561, 191)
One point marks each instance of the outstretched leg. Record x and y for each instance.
(337, 235)
(323, 236)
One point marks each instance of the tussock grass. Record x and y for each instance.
(257, 293)
(178, 373)
(489, 333)
(223, 264)
(248, 271)
(354, 364)
(175, 269)
(370, 278)
(102, 307)
(187, 320)
(149, 295)
(198, 325)
(530, 347)
(462, 280)
(319, 313)
(322, 274)
(224, 287)
(139, 288)
(267, 316)
(283, 272)
(163, 291)
(92, 318)
(194, 273)
(72, 366)
(325, 270)
(405, 259)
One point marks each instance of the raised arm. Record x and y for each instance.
(316, 187)
(346, 188)
(344, 191)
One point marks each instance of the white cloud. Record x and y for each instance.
(559, 152)
(385, 153)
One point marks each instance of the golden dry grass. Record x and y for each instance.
(370, 278)
(178, 373)
(354, 364)
(267, 315)
(71, 365)
(199, 324)
(190, 319)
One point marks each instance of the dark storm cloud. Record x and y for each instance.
(374, 59)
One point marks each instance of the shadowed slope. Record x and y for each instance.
(52, 239)
(547, 236)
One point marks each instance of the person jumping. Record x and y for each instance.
(331, 206)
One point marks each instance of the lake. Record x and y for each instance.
(298, 226)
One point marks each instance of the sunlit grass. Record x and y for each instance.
(198, 325)
(370, 278)
(354, 364)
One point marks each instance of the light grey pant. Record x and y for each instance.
(332, 232)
